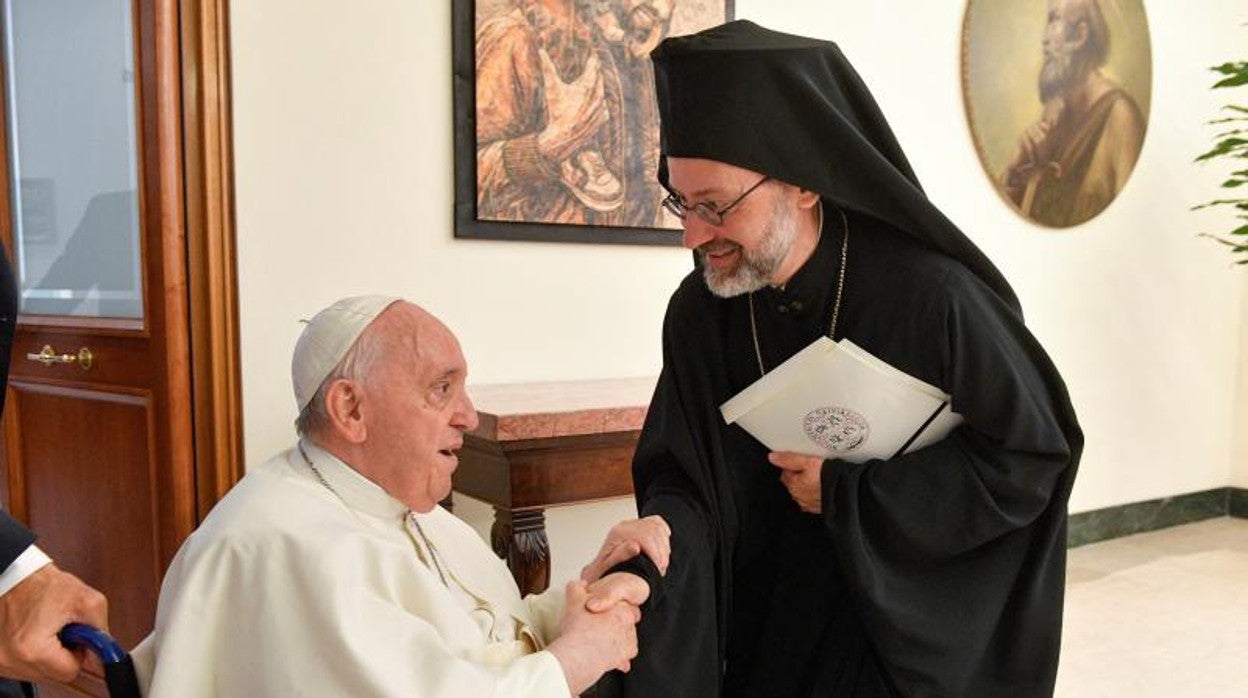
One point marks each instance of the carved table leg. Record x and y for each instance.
(519, 537)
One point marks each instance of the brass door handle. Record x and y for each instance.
(48, 356)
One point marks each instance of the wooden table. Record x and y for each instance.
(548, 444)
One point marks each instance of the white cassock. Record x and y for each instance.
(293, 588)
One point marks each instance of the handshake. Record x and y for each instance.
(598, 629)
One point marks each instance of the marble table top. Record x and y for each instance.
(516, 411)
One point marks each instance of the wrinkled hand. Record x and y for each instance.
(617, 587)
(800, 475)
(31, 614)
(627, 540)
(574, 110)
(591, 644)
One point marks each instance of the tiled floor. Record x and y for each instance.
(1161, 614)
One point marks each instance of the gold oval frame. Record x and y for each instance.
(1001, 61)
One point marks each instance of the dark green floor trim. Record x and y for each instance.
(1127, 519)
(1238, 504)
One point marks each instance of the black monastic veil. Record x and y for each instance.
(937, 573)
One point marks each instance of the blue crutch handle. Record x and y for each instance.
(118, 667)
(82, 635)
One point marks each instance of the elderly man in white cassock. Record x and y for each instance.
(330, 570)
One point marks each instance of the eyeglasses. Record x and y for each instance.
(715, 216)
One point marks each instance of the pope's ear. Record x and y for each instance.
(343, 402)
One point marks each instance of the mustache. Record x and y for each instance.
(717, 247)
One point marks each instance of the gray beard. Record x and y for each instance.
(1060, 72)
(756, 267)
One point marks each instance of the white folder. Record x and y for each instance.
(836, 400)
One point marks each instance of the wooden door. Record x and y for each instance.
(104, 212)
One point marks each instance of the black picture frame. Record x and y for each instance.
(467, 225)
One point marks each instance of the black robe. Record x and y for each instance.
(937, 573)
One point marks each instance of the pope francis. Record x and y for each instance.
(330, 570)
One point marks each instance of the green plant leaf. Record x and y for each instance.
(1241, 204)
(1236, 72)
(1230, 67)
(1225, 146)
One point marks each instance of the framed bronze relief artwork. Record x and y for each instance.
(556, 128)
(1057, 94)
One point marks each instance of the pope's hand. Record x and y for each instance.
(617, 587)
(590, 644)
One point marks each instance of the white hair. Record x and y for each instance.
(355, 366)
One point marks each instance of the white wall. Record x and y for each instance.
(1239, 458)
(344, 161)
(344, 185)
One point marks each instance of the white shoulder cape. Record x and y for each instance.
(288, 589)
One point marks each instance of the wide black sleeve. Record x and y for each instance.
(995, 474)
(668, 495)
(956, 552)
(680, 635)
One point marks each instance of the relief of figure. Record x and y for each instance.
(567, 129)
(1071, 163)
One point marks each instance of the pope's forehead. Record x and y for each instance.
(404, 318)
(417, 331)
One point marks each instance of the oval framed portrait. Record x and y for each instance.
(1057, 95)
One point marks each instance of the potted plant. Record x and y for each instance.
(1232, 143)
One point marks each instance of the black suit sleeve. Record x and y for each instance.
(14, 539)
(8, 321)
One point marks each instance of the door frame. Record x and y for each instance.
(208, 164)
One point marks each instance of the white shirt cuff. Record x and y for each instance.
(26, 564)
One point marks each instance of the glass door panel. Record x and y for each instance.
(70, 88)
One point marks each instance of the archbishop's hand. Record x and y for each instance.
(591, 644)
(31, 614)
(627, 540)
(801, 477)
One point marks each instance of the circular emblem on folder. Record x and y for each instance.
(836, 429)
